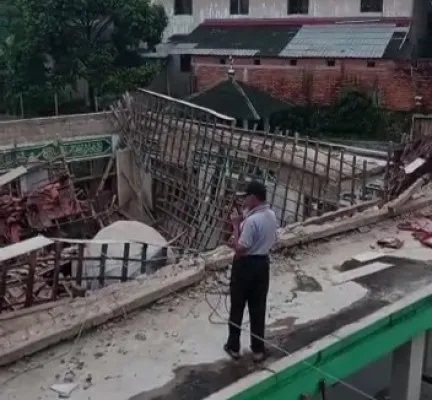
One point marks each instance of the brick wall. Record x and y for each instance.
(52, 128)
(312, 80)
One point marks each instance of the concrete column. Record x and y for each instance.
(407, 365)
(245, 124)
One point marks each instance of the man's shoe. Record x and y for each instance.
(235, 355)
(258, 357)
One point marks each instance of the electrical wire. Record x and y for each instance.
(225, 321)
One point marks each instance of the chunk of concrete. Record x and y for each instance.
(64, 390)
(367, 256)
(360, 272)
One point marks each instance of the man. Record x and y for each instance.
(252, 240)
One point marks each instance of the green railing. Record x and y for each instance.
(351, 349)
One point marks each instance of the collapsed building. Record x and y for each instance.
(185, 163)
(179, 167)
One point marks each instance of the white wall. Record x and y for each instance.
(203, 9)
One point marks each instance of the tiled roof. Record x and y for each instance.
(296, 40)
(238, 100)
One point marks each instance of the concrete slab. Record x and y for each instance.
(172, 350)
(367, 256)
(368, 269)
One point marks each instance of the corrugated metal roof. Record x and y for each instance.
(24, 247)
(340, 41)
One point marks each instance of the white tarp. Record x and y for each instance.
(122, 231)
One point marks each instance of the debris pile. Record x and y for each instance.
(44, 208)
(420, 226)
(17, 279)
(412, 161)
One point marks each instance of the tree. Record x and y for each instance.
(95, 40)
(8, 15)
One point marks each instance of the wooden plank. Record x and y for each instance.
(103, 257)
(353, 180)
(339, 189)
(56, 272)
(126, 251)
(143, 258)
(30, 279)
(302, 180)
(364, 180)
(2, 287)
(288, 181)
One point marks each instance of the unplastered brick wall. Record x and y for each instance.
(53, 128)
(315, 81)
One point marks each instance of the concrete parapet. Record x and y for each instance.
(35, 130)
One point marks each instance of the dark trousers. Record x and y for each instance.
(249, 285)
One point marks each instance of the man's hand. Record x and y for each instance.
(236, 218)
(232, 242)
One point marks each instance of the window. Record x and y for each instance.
(331, 63)
(298, 6)
(293, 63)
(185, 63)
(371, 6)
(183, 7)
(239, 7)
(257, 61)
(222, 61)
(371, 64)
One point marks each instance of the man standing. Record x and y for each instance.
(252, 240)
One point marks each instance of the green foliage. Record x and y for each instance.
(55, 43)
(8, 15)
(128, 79)
(355, 115)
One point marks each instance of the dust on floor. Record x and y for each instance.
(141, 352)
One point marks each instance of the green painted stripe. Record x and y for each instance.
(345, 357)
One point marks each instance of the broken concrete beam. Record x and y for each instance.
(222, 256)
(406, 195)
(218, 258)
(84, 313)
(342, 212)
(312, 232)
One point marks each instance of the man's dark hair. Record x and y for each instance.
(257, 189)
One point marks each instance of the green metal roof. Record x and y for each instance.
(238, 100)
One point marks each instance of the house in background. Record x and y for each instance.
(300, 51)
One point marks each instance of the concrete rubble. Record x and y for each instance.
(24, 333)
(37, 210)
(16, 278)
(67, 319)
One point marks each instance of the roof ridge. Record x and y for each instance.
(248, 101)
(196, 94)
